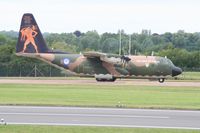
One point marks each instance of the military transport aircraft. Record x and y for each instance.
(102, 66)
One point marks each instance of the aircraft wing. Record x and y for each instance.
(93, 54)
(109, 58)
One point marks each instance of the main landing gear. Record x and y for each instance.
(105, 80)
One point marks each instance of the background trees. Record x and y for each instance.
(182, 48)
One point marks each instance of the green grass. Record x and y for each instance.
(69, 129)
(101, 96)
(190, 76)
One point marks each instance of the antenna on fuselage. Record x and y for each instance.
(120, 42)
(152, 53)
(129, 50)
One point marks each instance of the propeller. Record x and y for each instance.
(125, 60)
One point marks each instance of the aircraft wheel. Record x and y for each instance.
(161, 80)
(98, 79)
(105, 80)
(113, 79)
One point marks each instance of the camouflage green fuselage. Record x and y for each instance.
(137, 66)
(103, 66)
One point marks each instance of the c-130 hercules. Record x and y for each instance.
(102, 66)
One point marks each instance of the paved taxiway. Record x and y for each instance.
(100, 117)
(94, 82)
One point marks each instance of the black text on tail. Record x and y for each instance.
(30, 39)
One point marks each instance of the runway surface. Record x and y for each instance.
(94, 82)
(113, 117)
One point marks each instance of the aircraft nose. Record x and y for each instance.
(176, 71)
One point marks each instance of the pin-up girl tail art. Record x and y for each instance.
(30, 38)
(28, 34)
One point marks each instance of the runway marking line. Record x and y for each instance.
(88, 115)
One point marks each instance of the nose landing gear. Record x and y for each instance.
(161, 80)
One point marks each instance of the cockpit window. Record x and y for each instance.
(170, 62)
(166, 61)
(163, 60)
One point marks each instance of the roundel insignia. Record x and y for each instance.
(66, 61)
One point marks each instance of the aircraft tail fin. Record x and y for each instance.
(30, 38)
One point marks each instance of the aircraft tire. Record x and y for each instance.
(105, 80)
(113, 79)
(161, 80)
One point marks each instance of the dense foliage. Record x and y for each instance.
(182, 48)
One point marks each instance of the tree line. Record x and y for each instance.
(181, 47)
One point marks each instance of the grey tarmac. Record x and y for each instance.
(112, 117)
(89, 81)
